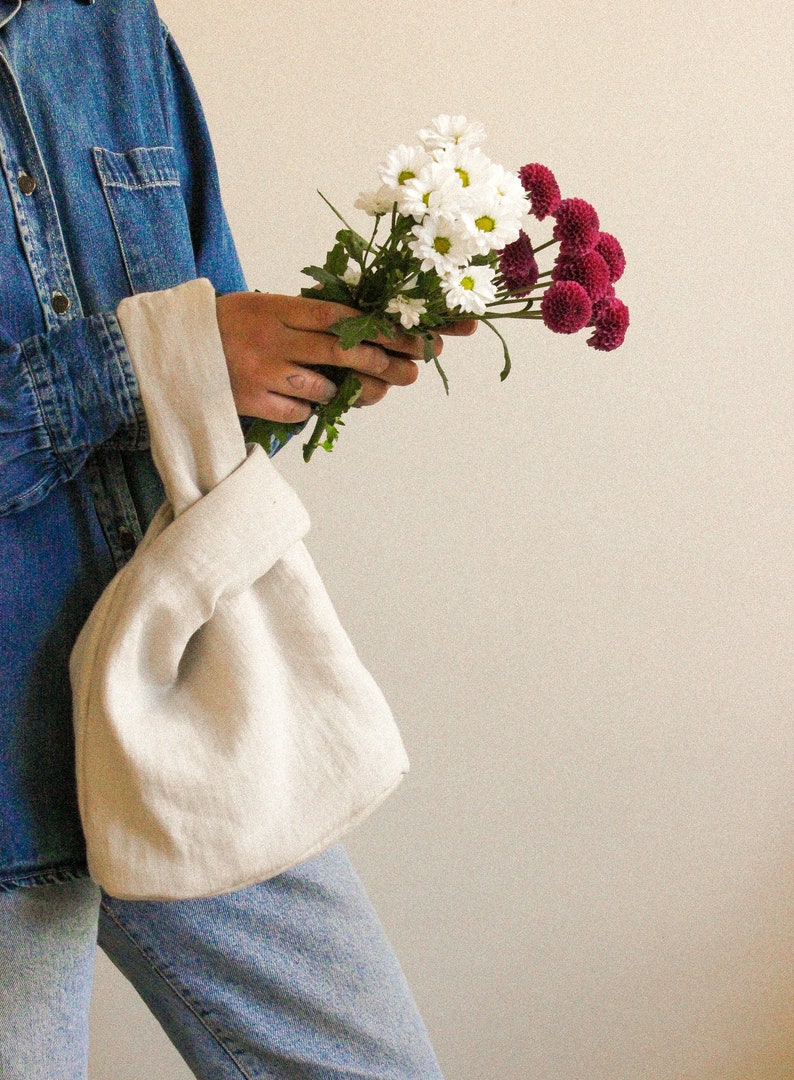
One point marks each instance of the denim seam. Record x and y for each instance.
(43, 238)
(46, 399)
(124, 383)
(55, 876)
(30, 496)
(116, 229)
(176, 990)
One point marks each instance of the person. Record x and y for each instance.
(110, 190)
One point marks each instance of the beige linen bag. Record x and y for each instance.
(225, 727)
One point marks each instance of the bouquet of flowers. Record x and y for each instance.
(458, 246)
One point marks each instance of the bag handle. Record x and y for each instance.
(177, 355)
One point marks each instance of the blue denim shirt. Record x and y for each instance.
(109, 188)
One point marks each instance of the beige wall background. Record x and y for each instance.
(576, 587)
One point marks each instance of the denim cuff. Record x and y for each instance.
(61, 395)
(85, 385)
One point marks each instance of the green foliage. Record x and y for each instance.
(329, 417)
(337, 260)
(332, 288)
(264, 431)
(388, 270)
(367, 327)
(353, 244)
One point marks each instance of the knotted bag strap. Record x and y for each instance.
(177, 353)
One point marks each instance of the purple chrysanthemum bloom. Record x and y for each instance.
(600, 305)
(608, 247)
(576, 226)
(588, 268)
(566, 307)
(611, 323)
(543, 190)
(518, 266)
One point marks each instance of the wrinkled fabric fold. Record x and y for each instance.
(225, 727)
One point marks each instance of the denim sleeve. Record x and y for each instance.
(62, 394)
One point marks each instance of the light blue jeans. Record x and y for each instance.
(290, 979)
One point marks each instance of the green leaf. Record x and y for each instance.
(329, 417)
(265, 431)
(430, 354)
(333, 288)
(505, 351)
(337, 260)
(354, 244)
(357, 328)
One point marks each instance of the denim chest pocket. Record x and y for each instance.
(144, 196)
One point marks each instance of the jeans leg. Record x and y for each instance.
(47, 947)
(291, 979)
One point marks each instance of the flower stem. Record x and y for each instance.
(523, 314)
(506, 369)
(540, 247)
(368, 249)
(334, 209)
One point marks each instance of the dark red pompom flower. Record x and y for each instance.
(588, 268)
(576, 226)
(566, 307)
(608, 247)
(518, 266)
(543, 190)
(611, 323)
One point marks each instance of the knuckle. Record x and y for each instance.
(295, 412)
(297, 381)
(320, 316)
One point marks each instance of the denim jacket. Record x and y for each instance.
(109, 188)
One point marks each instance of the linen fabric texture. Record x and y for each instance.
(225, 727)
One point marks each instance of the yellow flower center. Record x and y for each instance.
(426, 198)
(467, 282)
(485, 223)
(464, 176)
(442, 244)
(406, 174)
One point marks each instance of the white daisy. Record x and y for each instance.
(509, 189)
(442, 243)
(495, 224)
(408, 308)
(376, 202)
(451, 130)
(470, 164)
(437, 188)
(403, 163)
(469, 289)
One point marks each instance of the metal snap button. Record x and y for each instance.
(60, 302)
(26, 184)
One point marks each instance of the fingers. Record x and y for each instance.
(272, 344)
(313, 316)
(459, 329)
(374, 389)
(284, 410)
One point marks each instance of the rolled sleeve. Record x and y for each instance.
(62, 394)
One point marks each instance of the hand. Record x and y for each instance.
(272, 342)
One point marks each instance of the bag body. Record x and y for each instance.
(225, 727)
